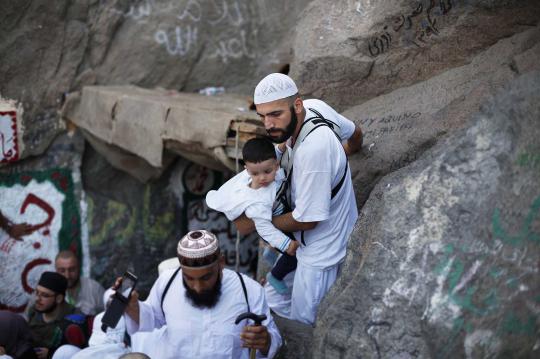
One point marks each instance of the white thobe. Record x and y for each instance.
(235, 197)
(319, 164)
(89, 297)
(202, 333)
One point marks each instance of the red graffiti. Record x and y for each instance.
(7, 245)
(18, 309)
(24, 280)
(29, 266)
(35, 200)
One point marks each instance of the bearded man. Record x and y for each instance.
(197, 306)
(83, 293)
(52, 321)
(319, 205)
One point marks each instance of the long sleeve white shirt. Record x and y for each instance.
(235, 197)
(202, 333)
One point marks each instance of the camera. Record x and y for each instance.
(120, 300)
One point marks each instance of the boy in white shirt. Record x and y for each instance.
(253, 191)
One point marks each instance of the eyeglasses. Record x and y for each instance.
(44, 295)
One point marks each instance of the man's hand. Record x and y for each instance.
(18, 230)
(256, 337)
(132, 308)
(354, 143)
(244, 225)
(42, 353)
(286, 223)
(293, 246)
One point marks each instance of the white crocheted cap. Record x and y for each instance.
(197, 244)
(274, 87)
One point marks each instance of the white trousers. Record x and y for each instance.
(66, 352)
(309, 285)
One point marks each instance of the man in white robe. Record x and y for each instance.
(200, 307)
(324, 211)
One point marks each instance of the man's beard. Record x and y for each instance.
(48, 310)
(287, 132)
(207, 298)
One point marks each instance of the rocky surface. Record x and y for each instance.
(352, 51)
(444, 261)
(50, 50)
(400, 126)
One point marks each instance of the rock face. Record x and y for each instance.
(49, 50)
(444, 261)
(351, 51)
(400, 125)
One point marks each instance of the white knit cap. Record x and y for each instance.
(197, 244)
(274, 87)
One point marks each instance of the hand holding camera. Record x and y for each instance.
(125, 299)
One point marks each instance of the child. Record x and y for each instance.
(253, 192)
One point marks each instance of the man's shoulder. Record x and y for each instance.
(316, 143)
(252, 286)
(166, 276)
(316, 104)
(31, 313)
(90, 283)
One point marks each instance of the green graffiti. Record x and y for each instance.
(526, 231)
(496, 272)
(448, 251)
(531, 160)
(455, 274)
(121, 222)
(156, 228)
(116, 213)
(515, 326)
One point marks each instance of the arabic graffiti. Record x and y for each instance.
(413, 28)
(198, 180)
(46, 200)
(9, 149)
(192, 26)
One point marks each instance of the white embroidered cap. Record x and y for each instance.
(274, 87)
(197, 244)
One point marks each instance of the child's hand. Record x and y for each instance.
(293, 246)
(282, 146)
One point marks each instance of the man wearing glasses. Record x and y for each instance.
(52, 320)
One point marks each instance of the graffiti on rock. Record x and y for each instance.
(414, 27)
(46, 201)
(198, 180)
(9, 149)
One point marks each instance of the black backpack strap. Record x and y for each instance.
(244, 289)
(321, 118)
(336, 189)
(167, 288)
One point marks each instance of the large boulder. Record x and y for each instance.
(399, 126)
(351, 51)
(444, 260)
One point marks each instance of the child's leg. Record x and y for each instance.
(283, 266)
